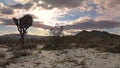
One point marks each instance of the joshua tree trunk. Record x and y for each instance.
(22, 39)
(22, 35)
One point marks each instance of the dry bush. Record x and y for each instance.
(2, 54)
(3, 62)
(20, 53)
(115, 49)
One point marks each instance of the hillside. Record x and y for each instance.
(96, 34)
(100, 37)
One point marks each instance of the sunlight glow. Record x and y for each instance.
(47, 16)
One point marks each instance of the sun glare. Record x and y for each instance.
(45, 16)
(48, 17)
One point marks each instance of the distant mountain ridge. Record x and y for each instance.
(95, 33)
(83, 35)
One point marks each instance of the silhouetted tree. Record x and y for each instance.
(55, 39)
(56, 31)
(23, 24)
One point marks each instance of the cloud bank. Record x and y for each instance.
(93, 25)
(93, 14)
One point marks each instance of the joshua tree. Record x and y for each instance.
(23, 24)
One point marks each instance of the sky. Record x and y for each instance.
(73, 15)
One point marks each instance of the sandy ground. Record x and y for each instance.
(68, 58)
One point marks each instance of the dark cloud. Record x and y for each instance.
(7, 21)
(41, 25)
(93, 25)
(7, 11)
(22, 6)
(27, 5)
(36, 24)
(63, 3)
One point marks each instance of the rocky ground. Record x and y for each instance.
(68, 58)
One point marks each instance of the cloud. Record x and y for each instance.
(7, 21)
(7, 11)
(44, 6)
(1, 4)
(41, 25)
(47, 12)
(34, 16)
(80, 20)
(92, 24)
(22, 1)
(36, 24)
(71, 31)
(63, 3)
(109, 9)
(22, 6)
(38, 31)
(86, 8)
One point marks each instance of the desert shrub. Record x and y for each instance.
(19, 50)
(57, 47)
(29, 46)
(2, 55)
(115, 49)
(48, 46)
(53, 43)
(92, 45)
(4, 62)
(19, 53)
(12, 47)
(87, 45)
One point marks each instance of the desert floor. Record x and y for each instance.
(68, 58)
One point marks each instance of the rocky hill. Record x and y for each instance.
(97, 34)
